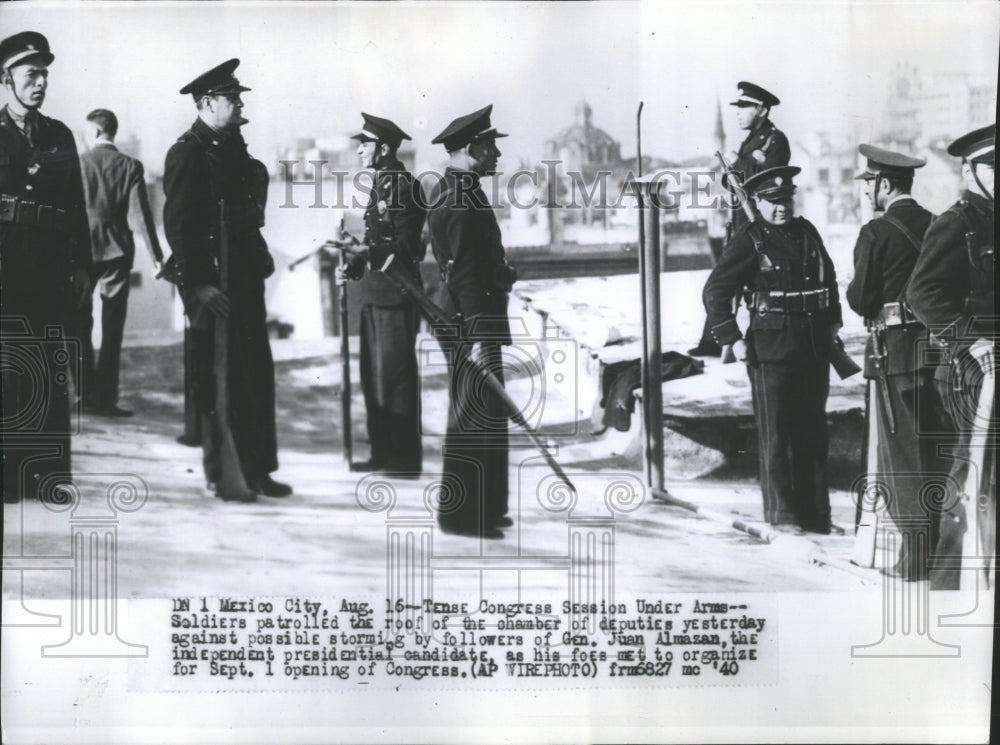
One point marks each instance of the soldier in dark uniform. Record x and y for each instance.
(764, 147)
(44, 272)
(952, 292)
(780, 261)
(394, 219)
(207, 165)
(907, 410)
(476, 282)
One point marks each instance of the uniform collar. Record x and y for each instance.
(764, 126)
(18, 121)
(898, 200)
(394, 166)
(104, 143)
(978, 201)
(455, 174)
(208, 135)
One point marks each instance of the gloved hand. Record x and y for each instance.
(212, 299)
(739, 348)
(835, 331)
(355, 268)
(378, 253)
(267, 264)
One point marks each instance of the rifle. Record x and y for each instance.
(436, 316)
(878, 347)
(972, 492)
(863, 551)
(232, 485)
(839, 359)
(345, 369)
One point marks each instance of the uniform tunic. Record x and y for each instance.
(884, 257)
(765, 146)
(40, 248)
(389, 324)
(202, 168)
(466, 241)
(952, 291)
(788, 359)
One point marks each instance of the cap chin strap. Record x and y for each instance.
(13, 89)
(982, 187)
(377, 158)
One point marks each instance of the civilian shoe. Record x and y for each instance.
(489, 534)
(269, 487)
(503, 522)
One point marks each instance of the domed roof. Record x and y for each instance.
(594, 142)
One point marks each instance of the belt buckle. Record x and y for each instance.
(8, 208)
(45, 216)
(27, 212)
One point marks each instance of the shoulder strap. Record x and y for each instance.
(904, 230)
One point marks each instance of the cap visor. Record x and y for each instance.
(772, 194)
(22, 57)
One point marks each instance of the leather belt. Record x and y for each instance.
(27, 212)
(893, 315)
(791, 302)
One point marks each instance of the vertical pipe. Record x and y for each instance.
(652, 394)
(641, 199)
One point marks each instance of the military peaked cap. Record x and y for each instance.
(219, 80)
(19, 47)
(774, 182)
(467, 129)
(377, 129)
(754, 95)
(882, 162)
(978, 145)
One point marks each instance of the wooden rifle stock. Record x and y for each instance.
(232, 484)
(976, 486)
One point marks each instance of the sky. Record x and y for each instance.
(314, 67)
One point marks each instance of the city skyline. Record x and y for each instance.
(314, 67)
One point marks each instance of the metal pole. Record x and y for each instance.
(652, 394)
(644, 382)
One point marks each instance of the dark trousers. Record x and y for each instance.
(474, 490)
(251, 404)
(913, 466)
(946, 562)
(36, 425)
(389, 381)
(789, 403)
(97, 385)
(707, 341)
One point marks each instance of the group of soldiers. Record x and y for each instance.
(923, 285)
(64, 229)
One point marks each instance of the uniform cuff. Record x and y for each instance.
(727, 332)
